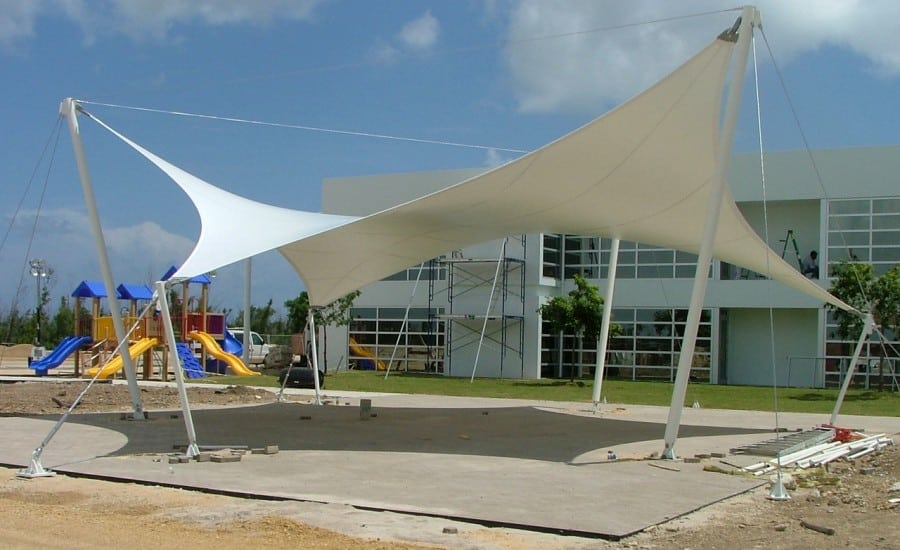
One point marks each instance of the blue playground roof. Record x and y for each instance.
(89, 289)
(202, 279)
(134, 292)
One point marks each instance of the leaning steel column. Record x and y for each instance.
(68, 109)
(868, 326)
(192, 448)
(603, 342)
(749, 18)
(315, 354)
(247, 340)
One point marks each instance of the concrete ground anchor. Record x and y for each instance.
(35, 469)
(365, 409)
(778, 492)
(668, 453)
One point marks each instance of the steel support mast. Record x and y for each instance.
(741, 33)
(69, 109)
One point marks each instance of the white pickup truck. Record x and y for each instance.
(259, 349)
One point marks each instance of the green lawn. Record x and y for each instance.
(862, 402)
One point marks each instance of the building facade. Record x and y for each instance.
(475, 311)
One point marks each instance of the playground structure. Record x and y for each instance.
(367, 359)
(212, 347)
(197, 332)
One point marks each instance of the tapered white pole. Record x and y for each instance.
(868, 325)
(412, 297)
(488, 312)
(603, 342)
(315, 354)
(163, 301)
(68, 109)
(749, 18)
(248, 341)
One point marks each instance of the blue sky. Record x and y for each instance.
(499, 73)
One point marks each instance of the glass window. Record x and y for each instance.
(655, 256)
(849, 207)
(421, 345)
(647, 346)
(886, 238)
(886, 206)
(852, 238)
(886, 221)
(656, 271)
(876, 239)
(848, 222)
(685, 257)
(886, 254)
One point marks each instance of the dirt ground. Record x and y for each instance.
(852, 498)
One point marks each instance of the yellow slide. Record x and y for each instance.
(233, 361)
(134, 350)
(357, 350)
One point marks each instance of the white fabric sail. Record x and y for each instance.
(232, 227)
(641, 172)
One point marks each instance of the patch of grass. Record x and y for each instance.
(815, 477)
(859, 402)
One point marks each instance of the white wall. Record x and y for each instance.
(802, 216)
(791, 175)
(749, 347)
(363, 195)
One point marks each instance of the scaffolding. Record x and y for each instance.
(473, 316)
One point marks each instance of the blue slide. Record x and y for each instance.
(232, 345)
(55, 358)
(192, 367)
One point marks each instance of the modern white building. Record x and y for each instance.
(476, 308)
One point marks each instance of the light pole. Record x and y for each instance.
(38, 271)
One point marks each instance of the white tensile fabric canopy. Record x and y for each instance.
(642, 172)
(232, 227)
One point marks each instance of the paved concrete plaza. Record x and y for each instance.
(539, 466)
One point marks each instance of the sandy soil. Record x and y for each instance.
(850, 497)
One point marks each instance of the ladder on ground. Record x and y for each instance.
(787, 444)
(789, 239)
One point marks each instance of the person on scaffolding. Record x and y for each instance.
(810, 266)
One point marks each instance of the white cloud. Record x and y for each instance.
(149, 242)
(383, 54)
(495, 158)
(17, 19)
(156, 17)
(146, 18)
(582, 72)
(138, 253)
(420, 34)
(417, 36)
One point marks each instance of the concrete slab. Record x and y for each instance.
(533, 465)
(512, 466)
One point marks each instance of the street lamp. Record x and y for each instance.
(38, 271)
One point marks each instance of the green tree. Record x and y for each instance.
(297, 311)
(579, 313)
(337, 313)
(261, 318)
(852, 283)
(61, 325)
(856, 284)
(886, 295)
(17, 328)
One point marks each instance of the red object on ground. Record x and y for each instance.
(843, 435)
